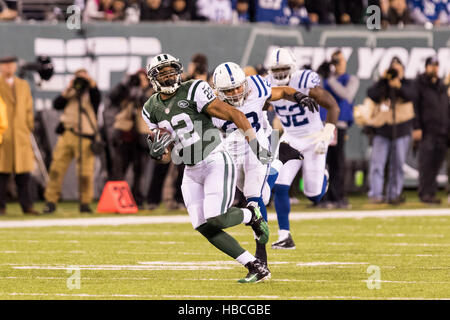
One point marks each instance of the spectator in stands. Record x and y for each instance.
(82, 88)
(429, 12)
(218, 11)
(399, 13)
(182, 10)
(16, 152)
(241, 11)
(343, 87)
(119, 8)
(8, 10)
(104, 10)
(155, 10)
(132, 11)
(130, 132)
(391, 103)
(431, 128)
(294, 13)
(319, 11)
(348, 11)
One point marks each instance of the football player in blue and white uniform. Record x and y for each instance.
(304, 131)
(249, 95)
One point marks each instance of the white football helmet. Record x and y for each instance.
(281, 65)
(227, 78)
(170, 84)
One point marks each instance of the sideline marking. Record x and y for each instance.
(293, 216)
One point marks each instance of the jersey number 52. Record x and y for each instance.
(289, 120)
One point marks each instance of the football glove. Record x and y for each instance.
(306, 102)
(159, 145)
(263, 155)
(323, 138)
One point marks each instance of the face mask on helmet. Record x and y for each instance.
(281, 64)
(166, 78)
(281, 74)
(234, 95)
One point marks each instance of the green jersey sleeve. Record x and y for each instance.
(146, 115)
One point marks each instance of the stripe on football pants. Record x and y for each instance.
(232, 184)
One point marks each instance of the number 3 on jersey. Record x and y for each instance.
(289, 119)
(251, 116)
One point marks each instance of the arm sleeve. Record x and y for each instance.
(202, 94)
(347, 92)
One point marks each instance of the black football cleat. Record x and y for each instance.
(286, 243)
(257, 272)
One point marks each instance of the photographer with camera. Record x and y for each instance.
(129, 134)
(78, 138)
(389, 123)
(343, 87)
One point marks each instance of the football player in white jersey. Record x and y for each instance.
(304, 131)
(249, 95)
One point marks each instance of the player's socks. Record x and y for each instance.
(261, 252)
(282, 205)
(275, 169)
(262, 207)
(245, 258)
(232, 217)
(221, 240)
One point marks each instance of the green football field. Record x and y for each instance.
(359, 256)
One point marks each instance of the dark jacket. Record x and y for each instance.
(381, 91)
(431, 107)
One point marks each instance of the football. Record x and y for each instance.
(162, 132)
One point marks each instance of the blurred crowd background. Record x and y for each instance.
(283, 12)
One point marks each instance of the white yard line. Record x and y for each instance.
(325, 263)
(294, 216)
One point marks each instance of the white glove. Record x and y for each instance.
(323, 138)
